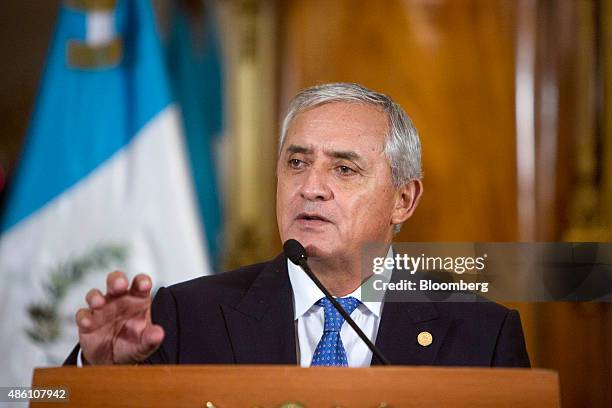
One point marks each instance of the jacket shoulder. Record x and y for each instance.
(235, 282)
(482, 308)
(480, 318)
(484, 333)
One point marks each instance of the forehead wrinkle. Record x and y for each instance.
(342, 115)
(309, 150)
(316, 122)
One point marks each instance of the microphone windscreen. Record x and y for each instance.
(294, 251)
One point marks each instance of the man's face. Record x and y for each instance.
(334, 190)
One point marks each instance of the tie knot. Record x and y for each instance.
(333, 318)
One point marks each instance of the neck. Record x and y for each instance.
(342, 275)
(339, 276)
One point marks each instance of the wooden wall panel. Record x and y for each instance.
(450, 65)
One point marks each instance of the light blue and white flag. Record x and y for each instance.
(102, 183)
(195, 66)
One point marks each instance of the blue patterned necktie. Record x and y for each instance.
(330, 350)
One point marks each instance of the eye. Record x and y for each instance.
(345, 170)
(296, 163)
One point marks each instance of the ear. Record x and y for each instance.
(406, 200)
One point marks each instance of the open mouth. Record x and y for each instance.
(312, 217)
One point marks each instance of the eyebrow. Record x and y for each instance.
(344, 154)
(298, 149)
(338, 154)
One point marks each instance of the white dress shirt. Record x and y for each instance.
(309, 319)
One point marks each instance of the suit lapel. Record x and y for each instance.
(404, 317)
(399, 328)
(260, 326)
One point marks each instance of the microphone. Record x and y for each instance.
(297, 254)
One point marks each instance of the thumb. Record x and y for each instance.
(150, 339)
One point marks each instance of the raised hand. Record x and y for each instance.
(116, 328)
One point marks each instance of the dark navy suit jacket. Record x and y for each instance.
(246, 317)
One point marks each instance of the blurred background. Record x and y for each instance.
(512, 99)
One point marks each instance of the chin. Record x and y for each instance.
(315, 251)
(315, 246)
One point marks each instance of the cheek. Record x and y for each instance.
(285, 194)
(283, 190)
(371, 211)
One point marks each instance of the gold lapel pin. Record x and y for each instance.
(425, 338)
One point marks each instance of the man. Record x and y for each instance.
(348, 173)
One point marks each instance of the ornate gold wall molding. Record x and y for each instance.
(250, 27)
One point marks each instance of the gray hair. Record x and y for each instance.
(402, 145)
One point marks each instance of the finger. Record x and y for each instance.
(95, 299)
(134, 328)
(152, 337)
(84, 320)
(150, 340)
(116, 283)
(141, 285)
(136, 350)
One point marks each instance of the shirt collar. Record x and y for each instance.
(306, 293)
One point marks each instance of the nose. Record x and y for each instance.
(315, 186)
